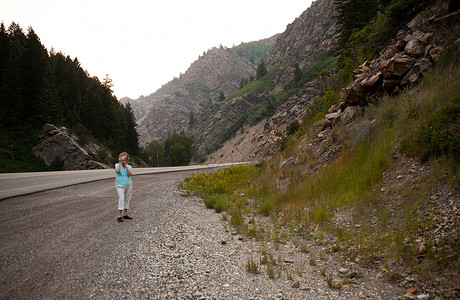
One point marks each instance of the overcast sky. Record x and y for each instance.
(143, 44)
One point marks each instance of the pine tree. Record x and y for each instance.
(191, 121)
(108, 83)
(12, 89)
(353, 15)
(261, 70)
(132, 137)
(221, 96)
(37, 87)
(297, 73)
(243, 82)
(36, 68)
(45, 106)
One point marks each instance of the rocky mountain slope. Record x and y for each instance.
(400, 66)
(169, 109)
(407, 224)
(311, 34)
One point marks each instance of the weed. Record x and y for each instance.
(264, 259)
(289, 275)
(304, 248)
(252, 266)
(271, 271)
(236, 218)
(300, 268)
(335, 248)
(252, 230)
(266, 206)
(329, 281)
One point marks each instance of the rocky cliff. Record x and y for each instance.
(168, 110)
(58, 146)
(311, 34)
(400, 66)
(207, 131)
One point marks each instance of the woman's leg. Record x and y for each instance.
(128, 193)
(121, 199)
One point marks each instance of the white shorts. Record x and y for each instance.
(124, 195)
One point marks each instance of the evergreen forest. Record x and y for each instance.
(38, 86)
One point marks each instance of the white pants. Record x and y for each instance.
(124, 195)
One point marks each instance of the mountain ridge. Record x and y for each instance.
(169, 109)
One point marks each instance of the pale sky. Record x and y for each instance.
(143, 44)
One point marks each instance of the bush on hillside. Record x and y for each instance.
(439, 135)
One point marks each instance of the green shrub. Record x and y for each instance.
(265, 84)
(222, 204)
(439, 135)
(266, 206)
(236, 219)
(292, 127)
(321, 106)
(252, 51)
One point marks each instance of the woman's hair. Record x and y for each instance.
(123, 153)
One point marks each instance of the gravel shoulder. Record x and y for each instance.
(66, 243)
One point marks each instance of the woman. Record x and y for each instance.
(124, 186)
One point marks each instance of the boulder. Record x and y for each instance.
(349, 114)
(397, 66)
(57, 144)
(416, 43)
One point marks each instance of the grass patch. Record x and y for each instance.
(223, 191)
(343, 181)
(263, 85)
(222, 182)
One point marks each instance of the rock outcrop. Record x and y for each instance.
(401, 65)
(208, 129)
(309, 35)
(168, 110)
(58, 145)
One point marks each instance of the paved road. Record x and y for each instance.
(16, 184)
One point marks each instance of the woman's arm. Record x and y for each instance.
(117, 167)
(130, 170)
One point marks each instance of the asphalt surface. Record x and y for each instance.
(17, 184)
(56, 244)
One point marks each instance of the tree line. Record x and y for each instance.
(38, 86)
(176, 150)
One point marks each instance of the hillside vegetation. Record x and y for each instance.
(382, 191)
(372, 202)
(253, 52)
